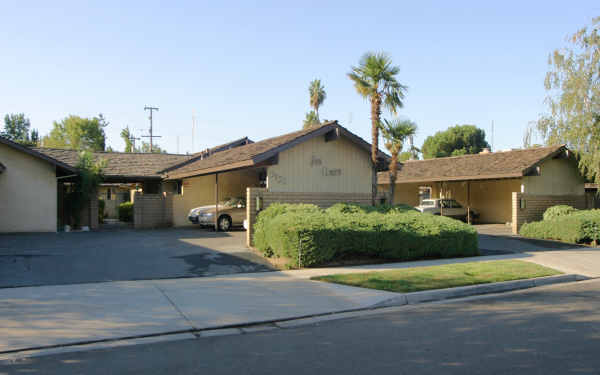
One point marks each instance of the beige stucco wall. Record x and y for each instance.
(404, 193)
(492, 199)
(200, 191)
(317, 166)
(27, 193)
(558, 177)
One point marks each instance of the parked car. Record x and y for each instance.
(446, 207)
(232, 213)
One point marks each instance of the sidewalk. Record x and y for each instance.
(33, 317)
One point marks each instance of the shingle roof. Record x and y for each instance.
(254, 153)
(507, 164)
(120, 164)
(210, 151)
(224, 146)
(33, 152)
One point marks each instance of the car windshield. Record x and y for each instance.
(235, 202)
(451, 203)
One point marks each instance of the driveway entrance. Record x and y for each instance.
(67, 258)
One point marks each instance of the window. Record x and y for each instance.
(109, 194)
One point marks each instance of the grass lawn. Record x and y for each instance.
(439, 277)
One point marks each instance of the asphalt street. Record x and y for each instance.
(549, 330)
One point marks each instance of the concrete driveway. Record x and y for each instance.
(67, 258)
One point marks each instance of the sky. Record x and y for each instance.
(243, 68)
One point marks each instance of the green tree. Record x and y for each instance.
(573, 86)
(16, 128)
(126, 136)
(155, 148)
(317, 95)
(395, 132)
(78, 133)
(375, 79)
(455, 141)
(311, 119)
(86, 186)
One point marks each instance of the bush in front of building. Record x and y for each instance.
(309, 238)
(267, 215)
(558, 211)
(350, 208)
(126, 212)
(578, 227)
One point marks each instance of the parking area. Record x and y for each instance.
(67, 258)
(498, 239)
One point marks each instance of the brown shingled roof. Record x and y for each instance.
(507, 164)
(33, 152)
(121, 164)
(255, 153)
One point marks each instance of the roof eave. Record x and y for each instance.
(400, 180)
(39, 155)
(213, 170)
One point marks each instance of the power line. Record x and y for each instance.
(151, 136)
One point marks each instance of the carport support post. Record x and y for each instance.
(216, 202)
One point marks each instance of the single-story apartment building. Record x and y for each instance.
(513, 186)
(28, 188)
(322, 165)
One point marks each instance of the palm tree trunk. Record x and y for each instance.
(393, 174)
(375, 118)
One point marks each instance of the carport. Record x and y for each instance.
(503, 187)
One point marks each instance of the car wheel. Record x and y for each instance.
(224, 223)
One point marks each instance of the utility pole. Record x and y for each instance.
(492, 136)
(151, 136)
(133, 139)
(193, 132)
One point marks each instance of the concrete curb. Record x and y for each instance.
(472, 290)
(251, 327)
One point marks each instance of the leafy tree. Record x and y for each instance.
(35, 137)
(78, 133)
(86, 186)
(16, 128)
(395, 132)
(312, 119)
(126, 136)
(317, 95)
(573, 86)
(375, 79)
(408, 155)
(155, 148)
(455, 141)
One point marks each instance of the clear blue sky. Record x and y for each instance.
(243, 68)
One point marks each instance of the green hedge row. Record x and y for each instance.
(577, 227)
(310, 236)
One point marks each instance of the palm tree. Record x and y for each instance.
(310, 120)
(395, 132)
(317, 95)
(375, 79)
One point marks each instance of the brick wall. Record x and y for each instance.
(267, 198)
(152, 210)
(534, 206)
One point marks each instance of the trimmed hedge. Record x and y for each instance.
(126, 212)
(310, 236)
(557, 211)
(577, 227)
